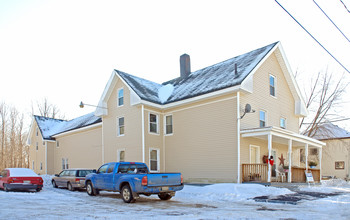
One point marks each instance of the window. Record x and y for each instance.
(57, 144)
(283, 123)
(272, 86)
(41, 166)
(111, 168)
(65, 163)
(339, 165)
(153, 123)
(168, 124)
(120, 97)
(154, 160)
(121, 155)
(33, 165)
(37, 131)
(44, 143)
(102, 169)
(121, 126)
(37, 145)
(262, 119)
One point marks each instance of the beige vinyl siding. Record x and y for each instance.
(131, 140)
(83, 149)
(203, 145)
(51, 146)
(38, 156)
(336, 150)
(282, 105)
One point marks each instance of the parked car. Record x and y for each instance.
(71, 178)
(20, 179)
(132, 179)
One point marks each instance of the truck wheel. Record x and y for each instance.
(5, 188)
(54, 184)
(90, 190)
(127, 194)
(70, 187)
(38, 189)
(164, 196)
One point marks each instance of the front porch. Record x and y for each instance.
(278, 142)
(259, 173)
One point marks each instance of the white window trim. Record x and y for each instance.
(258, 153)
(118, 154)
(118, 127)
(261, 110)
(285, 122)
(149, 122)
(172, 125)
(158, 160)
(275, 81)
(122, 88)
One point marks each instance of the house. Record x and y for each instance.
(336, 155)
(201, 123)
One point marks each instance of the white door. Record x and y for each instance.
(254, 154)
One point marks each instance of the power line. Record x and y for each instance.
(331, 21)
(312, 36)
(345, 6)
(336, 120)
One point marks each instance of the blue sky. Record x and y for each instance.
(66, 50)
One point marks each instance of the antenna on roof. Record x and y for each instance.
(236, 73)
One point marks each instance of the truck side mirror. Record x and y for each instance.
(56, 175)
(94, 171)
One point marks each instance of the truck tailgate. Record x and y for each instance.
(164, 179)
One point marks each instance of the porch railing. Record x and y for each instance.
(254, 172)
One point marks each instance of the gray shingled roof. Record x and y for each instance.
(50, 127)
(203, 81)
(330, 131)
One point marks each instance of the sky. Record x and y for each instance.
(66, 50)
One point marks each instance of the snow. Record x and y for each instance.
(165, 92)
(50, 126)
(217, 201)
(21, 172)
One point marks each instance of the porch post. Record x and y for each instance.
(269, 146)
(306, 156)
(290, 160)
(320, 160)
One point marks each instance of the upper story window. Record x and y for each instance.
(57, 144)
(37, 145)
(272, 85)
(153, 123)
(120, 97)
(37, 131)
(262, 119)
(282, 122)
(168, 124)
(121, 126)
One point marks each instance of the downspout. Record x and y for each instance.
(238, 141)
(143, 133)
(306, 157)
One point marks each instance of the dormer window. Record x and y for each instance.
(272, 85)
(120, 97)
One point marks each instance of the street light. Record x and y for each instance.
(82, 104)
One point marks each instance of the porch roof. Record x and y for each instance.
(281, 136)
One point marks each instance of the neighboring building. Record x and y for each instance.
(336, 155)
(193, 124)
(57, 144)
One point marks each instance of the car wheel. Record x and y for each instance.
(164, 196)
(38, 189)
(90, 189)
(127, 194)
(54, 184)
(70, 187)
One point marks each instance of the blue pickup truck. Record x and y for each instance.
(132, 179)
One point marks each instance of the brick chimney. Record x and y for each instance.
(185, 65)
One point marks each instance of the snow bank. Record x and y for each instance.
(229, 192)
(21, 172)
(165, 92)
(328, 186)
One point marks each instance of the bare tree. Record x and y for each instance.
(323, 98)
(3, 118)
(46, 109)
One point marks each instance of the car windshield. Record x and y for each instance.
(83, 173)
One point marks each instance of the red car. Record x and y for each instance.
(20, 179)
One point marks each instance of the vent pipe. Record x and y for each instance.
(185, 65)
